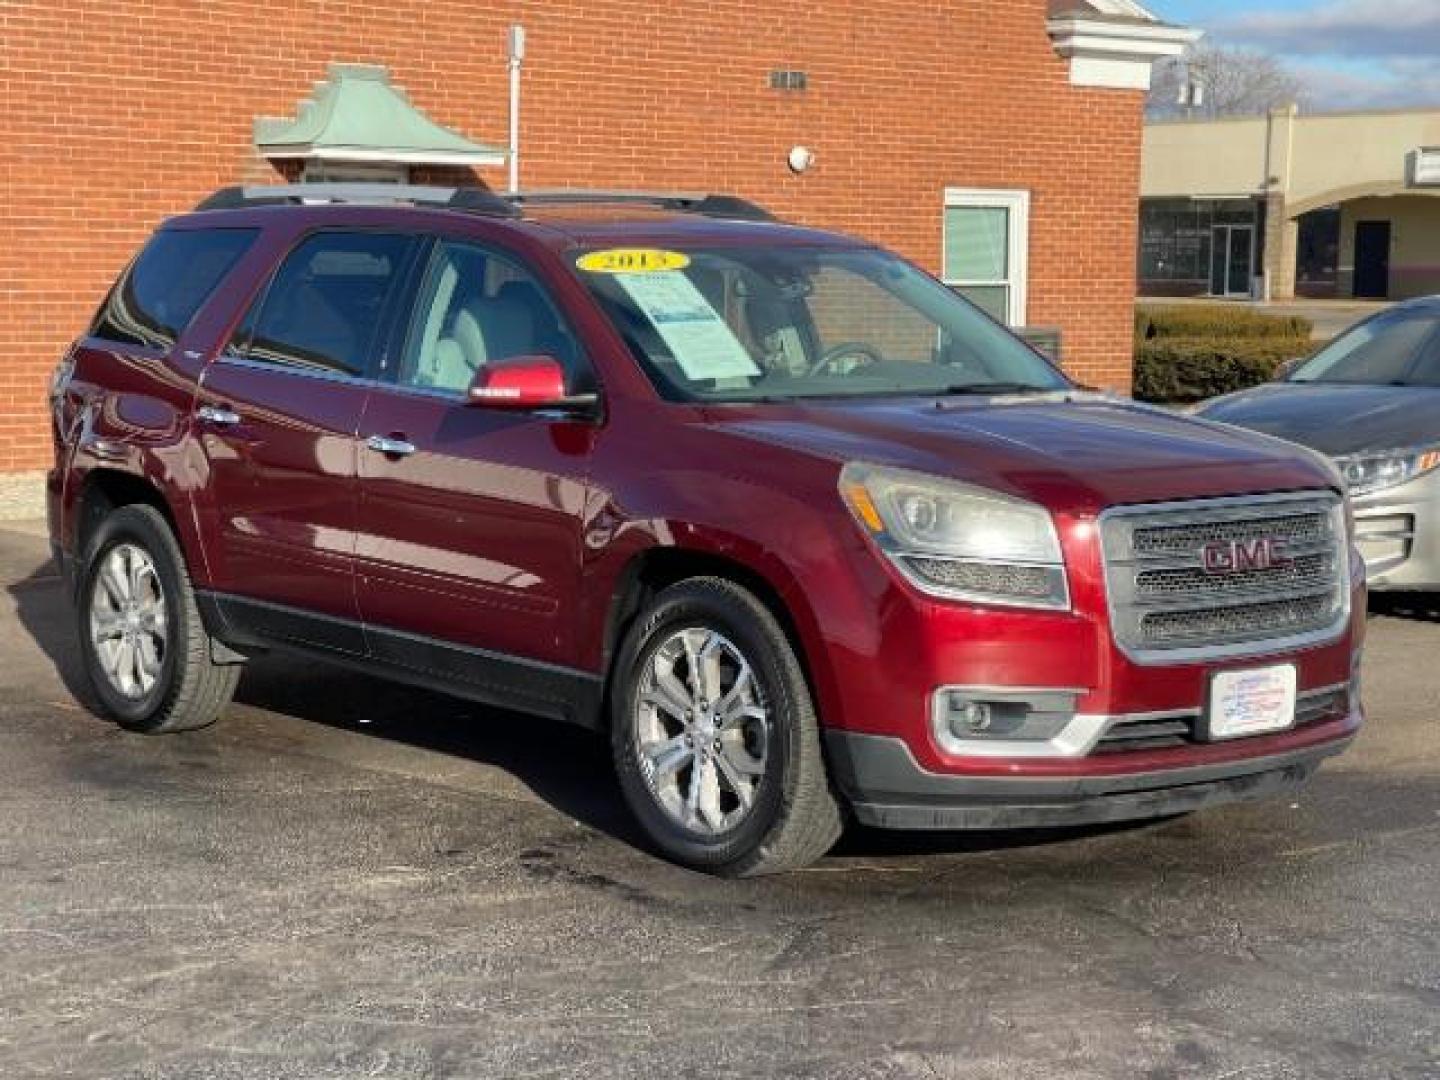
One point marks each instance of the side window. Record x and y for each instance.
(176, 272)
(476, 307)
(323, 308)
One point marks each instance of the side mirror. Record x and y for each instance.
(525, 384)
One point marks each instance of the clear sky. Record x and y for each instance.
(1353, 54)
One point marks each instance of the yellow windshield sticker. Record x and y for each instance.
(632, 261)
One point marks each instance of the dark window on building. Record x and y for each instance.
(1317, 268)
(1177, 238)
(176, 272)
(324, 307)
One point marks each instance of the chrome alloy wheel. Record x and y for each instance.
(128, 627)
(702, 728)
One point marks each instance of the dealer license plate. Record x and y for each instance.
(1251, 702)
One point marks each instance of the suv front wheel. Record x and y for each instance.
(146, 651)
(715, 738)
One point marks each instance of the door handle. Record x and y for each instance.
(390, 446)
(217, 415)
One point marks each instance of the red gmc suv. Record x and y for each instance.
(804, 532)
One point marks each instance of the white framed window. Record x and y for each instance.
(987, 249)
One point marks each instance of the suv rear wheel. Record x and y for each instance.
(145, 648)
(715, 738)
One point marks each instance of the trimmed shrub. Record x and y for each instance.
(1217, 321)
(1185, 370)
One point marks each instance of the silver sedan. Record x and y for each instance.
(1370, 400)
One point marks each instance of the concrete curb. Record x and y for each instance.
(22, 496)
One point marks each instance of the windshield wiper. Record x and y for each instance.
(980, 389)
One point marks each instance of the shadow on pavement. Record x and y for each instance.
(567, 767)
(46, 615)
(1418, 607)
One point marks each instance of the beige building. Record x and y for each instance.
(1336, 205)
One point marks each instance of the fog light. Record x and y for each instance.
(984, 720)
(968, 717)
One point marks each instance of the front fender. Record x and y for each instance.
(805, 550)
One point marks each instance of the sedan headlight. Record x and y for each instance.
(1366, 473)
(957, 541)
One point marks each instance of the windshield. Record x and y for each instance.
(782, 323)
(1394, 349)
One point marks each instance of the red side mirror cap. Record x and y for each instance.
(520, 382)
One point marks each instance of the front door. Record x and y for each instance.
(1372, 259)
(470, 537)
(1232, 249)
(277, 414)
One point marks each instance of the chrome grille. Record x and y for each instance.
(1308, 571)
(1299, 530)
(1167, 604)
(1279, 617)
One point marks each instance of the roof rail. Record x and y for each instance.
(474, 199)
(719, 206)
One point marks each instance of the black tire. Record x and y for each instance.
(795, 817)
(191, 690)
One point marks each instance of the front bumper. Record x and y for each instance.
(1398, 533)
(887, 788)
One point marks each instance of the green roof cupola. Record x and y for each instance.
(356, 115)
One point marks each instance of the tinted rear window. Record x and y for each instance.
(324, 306)
(175, 273)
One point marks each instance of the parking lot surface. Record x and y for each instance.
(349, 879)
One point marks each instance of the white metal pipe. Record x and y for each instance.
(517, 56)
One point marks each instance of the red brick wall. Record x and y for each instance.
(117, 113)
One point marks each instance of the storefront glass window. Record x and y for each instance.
(1177, 238)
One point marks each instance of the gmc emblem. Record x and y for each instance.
(1237, 556)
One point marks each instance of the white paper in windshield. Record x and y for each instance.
(694, 332)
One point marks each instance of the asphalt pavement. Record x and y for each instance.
(348, 879)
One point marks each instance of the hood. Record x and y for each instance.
(1076, 456)
(1336, 419)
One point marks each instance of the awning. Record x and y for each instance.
(357, 116)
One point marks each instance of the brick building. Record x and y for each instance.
(996, 142)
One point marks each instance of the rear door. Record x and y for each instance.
(470, 532)
(277, 415)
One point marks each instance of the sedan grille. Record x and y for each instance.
(1227, 576)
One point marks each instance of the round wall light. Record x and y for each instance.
(800, 158)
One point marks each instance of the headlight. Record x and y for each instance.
(1365, 473)
(959, 542)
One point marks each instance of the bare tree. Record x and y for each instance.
(1231, 82)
